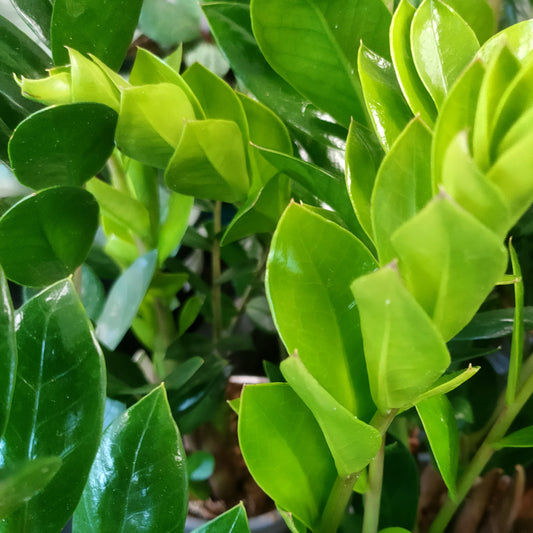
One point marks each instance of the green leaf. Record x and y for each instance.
(403, 185)
(449, 284)
(37, 14)
(75, 26)
(174, 225)
(138, 481)
(363, 158)
(273, 446)
(124, 300)
(478, 14)
(151, 122)
(209, 162)
(57, 227)
(8, 351)
(442, 45)
(438, 418)
(63, 145)
(471, 189)
(494, 324)
(189, 313)
(352, 443)
(384, 101)
(523, 438)
(92, 292)
(515, 38)
(456, 115)
(200, 466)
(232, 521)
(58, 405)
(294, 525)
(21, 483)
(326, 77)
(404, 352)
(322, 324)
(412, 87)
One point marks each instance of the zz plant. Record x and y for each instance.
(411, 122)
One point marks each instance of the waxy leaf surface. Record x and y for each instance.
(289, 444)
(232, 521)
(478, 14)
(63, 145)
(58, 405)
(321, 324)
(8, 352)
(138, 481)
(404, 352)
(516, 37)
(57, 227)
(37, 14)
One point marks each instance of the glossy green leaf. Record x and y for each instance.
(515, 133)
(20, 484)
(57, 227)
(8, 353)
(92, 292)
(456, 115)
(449, 284)
(523, 438)
(114, 77)
(150, 69)
(289, 444)
(494, 324)
(322, 324)
(174, 224)
(37, 14)
(403, 185)
(124, 300)
(326, 77)
(363, 158)
(412, 87)
(75, 26)
(404, 352)
(230, 24)
(138, 481)
(232, 521)
(384, 101)
(438, 418)
(442, 45)
(516, 38)
(189, 312)
(209, 162)
(200, 466)
(471, 189)
(478, 14)
(54, 89)
(352, 443)
(120, 207)
(58, 405)
(151, 122)
(63, 145)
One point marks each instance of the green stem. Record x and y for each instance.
(118, 176)
(216, 291)
(336, 505)
(166, 332)
(373, 493)
(505, 418)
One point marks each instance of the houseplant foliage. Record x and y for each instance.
(411, 122)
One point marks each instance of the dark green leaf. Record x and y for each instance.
(37, 14)
(232, 521)
(138, 481)
(58, 405)
(494, 324)
(200, 466)
(77, 25)
(523, 438)
(92, 292)
(8, 353)
(63, 145)
(57, 227)
(322, 324)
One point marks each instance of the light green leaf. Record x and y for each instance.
(516, 38)
(438, 419)
(274, 446)
(232, 521)
(442, 45)
(174, 225)
(54, 89)
(448, 283)
(478, 14)
(21, 483)
(138, 481)
(363, 158)
(209, 162)
(447, 383)
(75, 25)
(57, 227)
(471, 189)
(384, 101)
(63, 145)
(322, 324)
(516, 132)
(58, 405)
(124, 300)
(151, 122)
(352, 443)
(404, 352)
(8, 353)
(523, 438)
(403, 185)
(412, 87)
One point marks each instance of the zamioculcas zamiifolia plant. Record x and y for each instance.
(410, 122)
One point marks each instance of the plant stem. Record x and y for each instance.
(505, 418)
(373, 493)
(336, 505)
(216, 291)
(118, 175)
